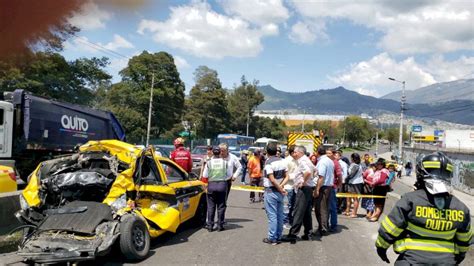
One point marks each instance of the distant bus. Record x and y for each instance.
(263, 142)
(236, 143)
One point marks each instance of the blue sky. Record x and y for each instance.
(292, 45)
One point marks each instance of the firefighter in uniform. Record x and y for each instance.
(181, 156)
(428, 226)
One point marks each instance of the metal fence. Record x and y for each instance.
(463, 174)
(189, 143)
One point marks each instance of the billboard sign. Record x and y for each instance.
(416, 128)
(439, 133)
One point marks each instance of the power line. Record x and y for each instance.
(101, 48)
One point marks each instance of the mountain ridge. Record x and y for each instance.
(339, 100)
(462, 89)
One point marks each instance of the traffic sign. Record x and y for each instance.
(416, 128)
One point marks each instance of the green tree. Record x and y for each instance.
(392, 134)
(242, 103)
(357, 129)
(130, 97)
(269, 127)
(207, 105)
(51, 75)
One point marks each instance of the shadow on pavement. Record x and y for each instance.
(243, 207)
(167, 239)
(237, 220)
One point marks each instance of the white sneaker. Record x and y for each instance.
(287, 226)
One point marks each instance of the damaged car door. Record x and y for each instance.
(187, 191)
(156, 201)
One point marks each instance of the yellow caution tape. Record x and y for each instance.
(339, 195)
(352, 195)
(247, 188)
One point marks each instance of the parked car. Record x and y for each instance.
(391, 163)
(77, 207)
(164, 150)
(198, 154)
(8, 179)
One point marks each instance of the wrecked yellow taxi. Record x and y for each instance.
(76, 207)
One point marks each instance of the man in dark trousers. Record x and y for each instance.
(243, 162)
(304, 186)
(215, 172)
(325, 169)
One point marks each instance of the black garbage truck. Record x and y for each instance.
(33, 129)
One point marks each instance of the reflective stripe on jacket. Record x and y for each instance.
(423, 233)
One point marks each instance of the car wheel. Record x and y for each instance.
(134, 238)
(200, 216)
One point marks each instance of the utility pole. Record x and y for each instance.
(150, 109)
(248, 121)
(377, 143)
(400, 140)
(402, 108)
(302, 125)
(248, 109)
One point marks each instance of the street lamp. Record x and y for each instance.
(402, 102)
(150, 108)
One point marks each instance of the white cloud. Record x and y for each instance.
(258, 11)
(80, 44)
(408, 26)
(90, 17)
(119, 63)
(198, 30)
(371, 77)
(115, 66)
(180, 62)
(307, 32)
(117, 43)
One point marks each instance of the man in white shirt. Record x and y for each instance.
(234, 168)
(304, 186)
(292, 165)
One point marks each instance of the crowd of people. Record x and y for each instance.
(305, 182)
(299, 182)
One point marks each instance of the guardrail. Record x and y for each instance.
(463, 173)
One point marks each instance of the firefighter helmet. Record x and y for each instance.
(178, 142)
(436, 171)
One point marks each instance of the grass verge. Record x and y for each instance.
(9, 243)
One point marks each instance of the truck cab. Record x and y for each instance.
(6, 129)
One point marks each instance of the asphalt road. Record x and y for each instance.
(242, 244)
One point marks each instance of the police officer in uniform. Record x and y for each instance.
(428, 226)
(215, 172)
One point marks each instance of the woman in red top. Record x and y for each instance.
(380, 188)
